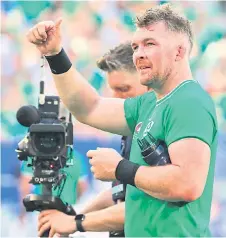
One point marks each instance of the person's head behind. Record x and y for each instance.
(162, 44)
(121, 73)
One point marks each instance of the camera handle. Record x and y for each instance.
(34, 202)
(42, 95)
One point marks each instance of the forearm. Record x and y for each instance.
(87, 106)
(102, 201)
(109, 219)
(76, 93)
(163, 182)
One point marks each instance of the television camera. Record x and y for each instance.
(47, 148)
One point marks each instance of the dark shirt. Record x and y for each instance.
(119, 189)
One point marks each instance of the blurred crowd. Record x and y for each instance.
(90, 29)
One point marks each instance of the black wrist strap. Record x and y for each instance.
(79, 226)
(126, 171)
(78, 219)
(59, 63)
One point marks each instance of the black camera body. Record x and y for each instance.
(46, 141)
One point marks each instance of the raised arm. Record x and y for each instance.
(76, 93)
(87, 106)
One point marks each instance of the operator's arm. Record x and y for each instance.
(109, 219)
(103, 200)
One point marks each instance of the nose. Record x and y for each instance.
(118, 95)
(139, 54)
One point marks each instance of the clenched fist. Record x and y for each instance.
(46, 36)
(104, 162)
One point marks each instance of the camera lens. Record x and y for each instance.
(48, 143)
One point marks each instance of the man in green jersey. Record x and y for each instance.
(106, 212)
(172, 200)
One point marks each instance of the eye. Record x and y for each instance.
(135, 47)
(150, 44)
(124, 89)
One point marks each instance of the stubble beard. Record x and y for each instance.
(157, 80)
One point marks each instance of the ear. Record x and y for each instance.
(180, 54)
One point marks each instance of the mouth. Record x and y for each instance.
(143, 69)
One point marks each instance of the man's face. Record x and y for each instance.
(154, 54)
(125, 84)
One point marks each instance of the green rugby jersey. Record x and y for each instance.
(187, 111)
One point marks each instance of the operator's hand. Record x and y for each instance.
(104, 162)
(57, 222)
(46, 36)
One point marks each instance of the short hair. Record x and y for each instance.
(174, 21)
(119, 58)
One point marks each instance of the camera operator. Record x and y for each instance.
(172, 200)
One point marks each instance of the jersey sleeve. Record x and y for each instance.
(190, 118)
(131, 109)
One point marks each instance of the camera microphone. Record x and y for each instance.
(28, 115)
(154, 152)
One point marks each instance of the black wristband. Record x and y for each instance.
(126, 171)
(59, 63)
(78, 219)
